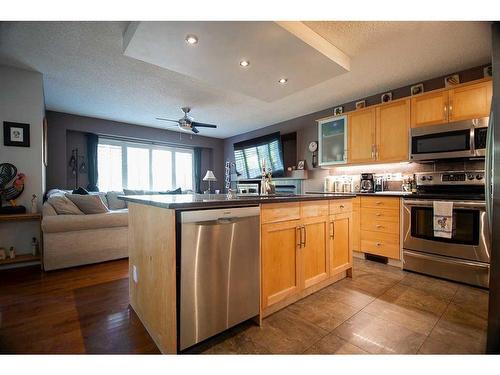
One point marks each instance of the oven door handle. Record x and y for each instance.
(458, 204)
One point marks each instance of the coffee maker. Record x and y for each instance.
(367, 184)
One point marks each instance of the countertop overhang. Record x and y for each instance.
(192, 201)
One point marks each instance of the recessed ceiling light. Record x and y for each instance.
(191, 39)
(283, 81)
(244, 63)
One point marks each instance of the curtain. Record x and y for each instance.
(197, 169)
(92, 142)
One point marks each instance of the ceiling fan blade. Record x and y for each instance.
(195, 131)
(167, 119)
(202, 125)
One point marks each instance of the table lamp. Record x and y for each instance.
(209, 177)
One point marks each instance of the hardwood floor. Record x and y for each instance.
(79, 310)
(380, 310)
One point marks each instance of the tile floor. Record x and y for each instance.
(382, 309)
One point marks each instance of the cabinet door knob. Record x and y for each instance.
(378, 244)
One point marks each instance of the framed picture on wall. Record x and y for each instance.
(16, 134)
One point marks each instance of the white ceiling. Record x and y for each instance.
(86, 73)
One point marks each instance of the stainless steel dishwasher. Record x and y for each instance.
(219, 271)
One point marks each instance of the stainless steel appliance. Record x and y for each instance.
(219, 271)
(366, 184)
(248, 188)
(463, 139)
(464, 257)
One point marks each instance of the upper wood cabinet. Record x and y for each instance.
(463, 102)
(361, 136)
(280, 263)
(392, 131)
(471, 101)
(429, 109)
(332, 136)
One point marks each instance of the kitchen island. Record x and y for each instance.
(305, 245)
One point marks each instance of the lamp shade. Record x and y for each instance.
(210, 176)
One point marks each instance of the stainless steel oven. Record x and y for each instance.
(465, 256)
(463, 139)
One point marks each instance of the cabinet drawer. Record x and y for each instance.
(339, 206)
(276, 212)
(384, 244)
(313, 209)
(380, 214)
(379, 226)
(380, 202)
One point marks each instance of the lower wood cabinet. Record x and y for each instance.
(280, 260)
(340, 242)
(301, 253)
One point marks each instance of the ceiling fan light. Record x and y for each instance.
(191, 39)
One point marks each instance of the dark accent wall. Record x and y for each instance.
(307, 131)
(66, 131)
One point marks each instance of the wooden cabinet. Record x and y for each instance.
(356, 211)
(280, 261)
(301, 253)
(314, 251)
(332, 136)
(471, 101)
(429, 109)
(463, 102)
(380, 226)
(392, 131)
(361, 136)
(340, 242)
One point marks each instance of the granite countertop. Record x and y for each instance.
(190, 201)
(378, 194)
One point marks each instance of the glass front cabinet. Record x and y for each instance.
(332, 140)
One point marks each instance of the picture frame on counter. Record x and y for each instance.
(337, 111)
(361, 104)
(417, 89)
(301, 165)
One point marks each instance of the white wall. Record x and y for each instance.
(21, 100)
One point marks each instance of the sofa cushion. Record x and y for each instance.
(63, 206)
(113, 202)
(102, 194)
(89, 204)
(110, 219)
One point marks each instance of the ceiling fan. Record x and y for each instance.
(186, 123)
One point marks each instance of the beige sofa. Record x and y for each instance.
(74, 240)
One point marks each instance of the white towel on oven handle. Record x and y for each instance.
(443, 219)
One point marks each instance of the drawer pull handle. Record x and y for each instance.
(378, 214)
(378, 202)
(379, 226)
(341, 206)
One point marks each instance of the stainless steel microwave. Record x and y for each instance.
(463, 139)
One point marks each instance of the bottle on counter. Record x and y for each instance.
(34, 246)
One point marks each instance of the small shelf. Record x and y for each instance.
(24, 258)
(20, 217)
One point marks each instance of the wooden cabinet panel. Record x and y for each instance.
(361, 136)
(314, 252)
(313, 208)
(276, 212)
(339, 206)
(379, 214)
(471, 101)
(393, 125)
(356, 227)
(340, 243)
(429, 109)
(383, 244)
(380, 202)
(280, 270)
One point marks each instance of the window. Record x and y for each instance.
(140, 166)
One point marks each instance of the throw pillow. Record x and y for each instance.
(89, 204)
(113, 201)
(63, 206)
(80, 191)
(176, 191)
(133, 192)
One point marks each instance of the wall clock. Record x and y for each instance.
(313, 147)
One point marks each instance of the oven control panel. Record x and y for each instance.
(450, 178)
